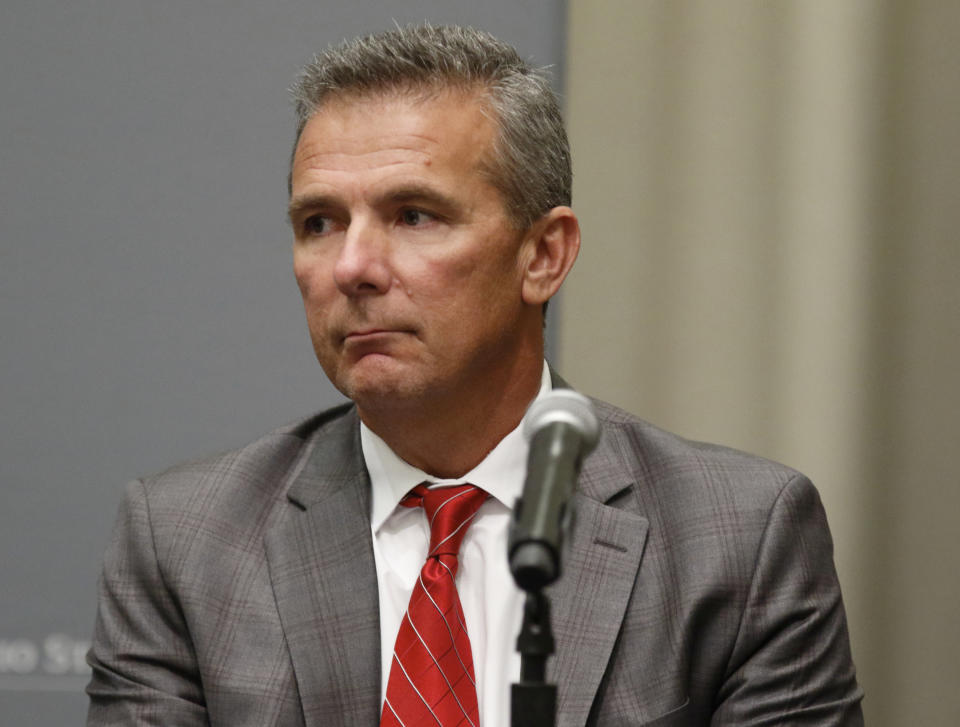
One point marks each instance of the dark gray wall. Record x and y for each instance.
(147, 309)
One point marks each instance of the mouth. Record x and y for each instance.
(367, 332)
(373, 335)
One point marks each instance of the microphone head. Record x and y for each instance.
(564, 406)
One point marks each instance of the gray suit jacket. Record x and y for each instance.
(698, 589)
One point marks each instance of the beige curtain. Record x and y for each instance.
(770, 200)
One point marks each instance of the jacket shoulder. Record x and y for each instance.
(238, 490)
(275, 453)
(666, 469)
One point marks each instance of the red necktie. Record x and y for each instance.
(431, 679)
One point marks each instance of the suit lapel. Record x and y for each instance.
(600, 565)
(324, 579)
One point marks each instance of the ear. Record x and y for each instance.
(552, 244)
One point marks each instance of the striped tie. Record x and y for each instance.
(431, 678)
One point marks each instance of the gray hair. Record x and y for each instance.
(530, 159)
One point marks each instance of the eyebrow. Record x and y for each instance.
(412, 192)
(309, 202)
(416, 192)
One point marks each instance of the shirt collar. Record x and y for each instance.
(501, 472)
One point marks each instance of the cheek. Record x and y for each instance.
(301, 274)
(310, 278)
(489, 265)
(302, 284)
(464, 301)
(316, 302)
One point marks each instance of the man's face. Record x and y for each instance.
(409, 268)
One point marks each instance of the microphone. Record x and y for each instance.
(562, 430)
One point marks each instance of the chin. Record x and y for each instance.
(379, 385)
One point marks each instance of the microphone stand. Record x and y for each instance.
(535, 564)
(533, 702)
(562, 429)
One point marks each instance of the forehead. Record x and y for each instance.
(445, 130)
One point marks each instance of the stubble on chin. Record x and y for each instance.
(381, 386)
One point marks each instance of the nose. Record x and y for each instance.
(362, 266)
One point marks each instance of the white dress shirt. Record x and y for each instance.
(492, 603)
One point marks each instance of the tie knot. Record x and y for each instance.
(449, 511)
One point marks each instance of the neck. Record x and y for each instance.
(448, 436)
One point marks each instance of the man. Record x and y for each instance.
(278, 584)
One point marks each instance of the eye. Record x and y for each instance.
(316, 225)
(415, 217)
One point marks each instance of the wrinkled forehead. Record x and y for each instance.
(422, 96)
